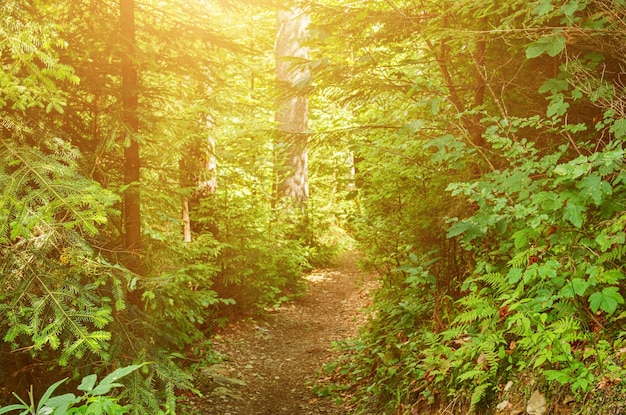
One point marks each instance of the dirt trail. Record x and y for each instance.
(272, 364)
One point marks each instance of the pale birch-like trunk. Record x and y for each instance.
(199, 171)
(292, 107)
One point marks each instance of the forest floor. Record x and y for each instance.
(271, 364)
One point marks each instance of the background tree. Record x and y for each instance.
(63, 234)
(130, 99)
(292, 110)
(473, 149)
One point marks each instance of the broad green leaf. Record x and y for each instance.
(570, 7)
(433, 105)
(552, 45)
(594, 188)
(576, 287)
(549, 201)
(580, 383)
(535, 50)
(544, 7)
(448, 148)
(62, 403)
(531, 273)
(612, 276)
(14, 407)
(104, 388)
(574, 213)
(558, 375)
(609, 161)
(97, 407)
(594, 58)
(87, 383)
(557, 106)
(520, 239)
(606, 300)
(604, 91)
(548, 269)
(555, 45)
(514, 275)
(460, 227)
(540, 360)
(109, 381)
(579, 286)
(605, 239)
(412, 127)
(574, 168)
(44, 398)
(618, 128)
(554, 85)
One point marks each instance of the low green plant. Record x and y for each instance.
(539, 293)
(96, 398)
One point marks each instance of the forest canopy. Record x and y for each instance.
(166, 166)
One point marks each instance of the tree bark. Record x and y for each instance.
(130, 120)
(186, 217)
(479, 87)
(292, 107)
(199, 170)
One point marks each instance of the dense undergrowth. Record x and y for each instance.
(475, 150)
(70, 309)
(76, 301)
(496, 215)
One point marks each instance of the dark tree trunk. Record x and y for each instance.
(130, 120)
(479, 88)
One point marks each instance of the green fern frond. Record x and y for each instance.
(49, 313)
(492, 341)
(478, 394)
(47, 187)
(566, 326)
(46, 208)
(471, 375)
(476, 308)
(497, 281)
(616, 253)
(521, 259)
(454, 332)
(467, 317)
(566, 309)
(430, 338)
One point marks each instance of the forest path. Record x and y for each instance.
(272, 363)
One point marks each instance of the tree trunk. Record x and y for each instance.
(130, 120)
(479, 88)
(186, 217)
(292, 107)
(198, 170)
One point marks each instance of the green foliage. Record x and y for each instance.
(29, 79)
(388, 351)
(535, 182)
(51, 274)
(67, 297)
(63, 301)
(96, 399)
(261, 271)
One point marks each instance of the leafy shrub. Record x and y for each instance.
(96, 399)
(539, 290)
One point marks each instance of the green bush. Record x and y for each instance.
(96, 399)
